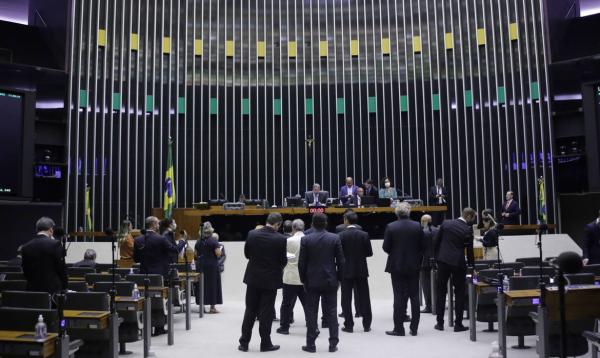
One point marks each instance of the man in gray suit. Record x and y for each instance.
(316, 197)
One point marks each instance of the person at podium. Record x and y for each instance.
(510, 210)
(316, 197)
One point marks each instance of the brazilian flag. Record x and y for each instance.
(169, 197)
(542, 213)
(89, 226)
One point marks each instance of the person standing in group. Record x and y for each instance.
(167, 228)
(403, 242)
(357, 247)
(429, 233)
(591, 242)
(450, 243)
(438, 196)
(321, 268)
(43, 260)
(126, 242)
(292, 286)
(208, 250)
(265, 249)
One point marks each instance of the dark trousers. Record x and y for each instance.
(290, 294)
(458, 276)
(406, 287)
(426, 286)
(361, 298)
(328, 298)
(259, 303)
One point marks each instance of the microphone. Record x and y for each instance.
(568, 262)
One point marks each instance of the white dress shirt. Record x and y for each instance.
(291, 276)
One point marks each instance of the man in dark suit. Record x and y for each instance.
(266, 251)
(591, 242)
(403, 242)
(43, 260)
(341, 227)
(449, 250)
(510, 210)
(438, 196)
(321, 267)
(89, 259)
(338, 229)
(316, 197)
(429, 233)
(357, 247)
(370, 189)
(167, 228)
(348, 191)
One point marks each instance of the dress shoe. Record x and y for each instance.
(413, 333)
(282, 330)
(426, 310)
(395, 333)
(309, 349)
(243, 348)
(269, 349)
(159, 331)
(347, 329)
(460, 328)
(332, 349)
(367, 329)
(439, 327)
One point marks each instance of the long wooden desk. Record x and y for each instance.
(25, 344)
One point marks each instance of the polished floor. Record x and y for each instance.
(216, 335)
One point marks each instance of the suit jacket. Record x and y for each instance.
(429, 235)
(85, 263)
(310, 197)
(154, 252)
(403, 242)
(591, 243)
(373, 191)
(450, 243)
(170, 235)
(433, 192)
(357, 247)
(342, 227)
(43, 265)
(513, 211)
(345, 191)
(321, 262)
(266, 251)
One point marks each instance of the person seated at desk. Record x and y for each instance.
(358, 199)
(316, 197)
(370, 189)
(510, 210)
(347, 191)
(89, 259)
(388, 191)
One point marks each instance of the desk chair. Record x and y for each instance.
(92, 278)
(593, 338)
(535, 271)
(78, 286)
(595, 269)
(13, 285)
(159, 305)
(26, 299)
(123, 272)
(79, 271)
(486, 308)
(132, 320)
(96, 340)
(489, 263)
(6, 269)
(518, 322)
(532, 261)
(103, 267)
(581, 279)
(13, 276)
(515, 266)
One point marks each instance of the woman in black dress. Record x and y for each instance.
(208, 252)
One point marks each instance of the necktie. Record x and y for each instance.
(316, 195)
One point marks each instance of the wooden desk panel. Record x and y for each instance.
(25, 341)
(76, 318)
(582, 302)
(125, 303)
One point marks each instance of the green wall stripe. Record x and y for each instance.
(214, 106)
(372, 104)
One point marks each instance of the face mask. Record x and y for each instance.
(387, 184)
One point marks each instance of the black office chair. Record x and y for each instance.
(159, 311)
(6, 269)
(78, 286)
(96, 341)
(580, 279)
(124, 271)
(124, 288)
(13, 285)
(530, 261)
(79, 271)
(489, 263)
(92, 278)
(518, 322)
(25, 319)
(535, 271)
(103, 267)
(486, 309)
(515, 266)
(595, 269)
(26, 299)
(480, 267)
(13, 276)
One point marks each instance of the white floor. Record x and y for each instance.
(217, 336)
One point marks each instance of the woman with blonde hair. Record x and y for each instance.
(208, 252)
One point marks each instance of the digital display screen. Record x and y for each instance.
(11, 146)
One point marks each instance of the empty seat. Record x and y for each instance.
(490, 274)
(24, 319)
(486, 299)
(123, 288)
(518, 322)
(124, 271)
(515, 266)
(159, 316)
(595, 269)
(535, 271)
(78, 286)
(103, 267)
(92, 278)
(26, 299)
(13, 276)
(96, 341)
(155, 280)
(5, 269)
(580, 279)
(79, 271)
(489, 263)
(87, 301)
(13, 285)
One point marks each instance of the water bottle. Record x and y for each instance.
(41, 331)
(135, 294)
(285, 202)
(495, 351)
(505, 283)
(193, 265)
(131, 270)
(475, 279)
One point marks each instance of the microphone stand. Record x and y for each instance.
(114, 318)
(541, 284)
(63, 337)
(188, 294)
